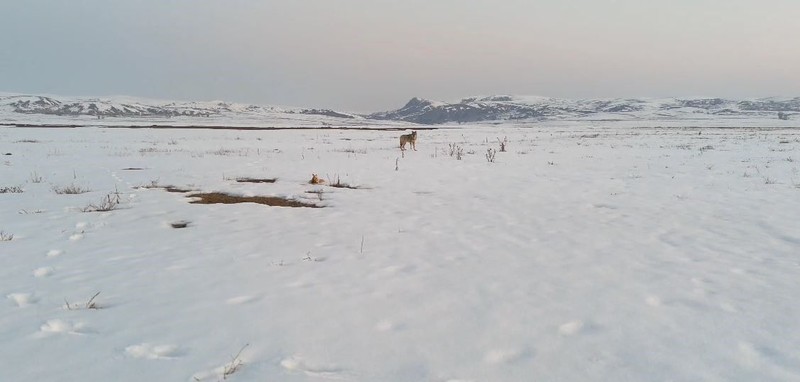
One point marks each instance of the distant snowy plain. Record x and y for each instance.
(587, 251)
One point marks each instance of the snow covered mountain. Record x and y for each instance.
(127, 111)
(131, 107)
(514, 108)
(39, 109)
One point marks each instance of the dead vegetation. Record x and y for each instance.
(109, 203)
(72, 189)
(338, 184)
(4, 236)
(11, 190)
(223, 198)
(168, 188)
(91, 304)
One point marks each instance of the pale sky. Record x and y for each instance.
(370, 55)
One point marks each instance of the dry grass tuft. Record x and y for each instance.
(91, 304)
(109, 203)
(11, 190)
(338, 184)
(154, 185)
(35, 178)
(6, 236)
(235, 364)
(222, 198)
(72, 189)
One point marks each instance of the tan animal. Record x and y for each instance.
(316, 180)
(410, 139)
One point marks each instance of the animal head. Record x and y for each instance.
(413, 134)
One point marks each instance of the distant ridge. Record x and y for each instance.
(135, 107)
(518, 108)
(130, 111)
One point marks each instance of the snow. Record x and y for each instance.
(588, 251)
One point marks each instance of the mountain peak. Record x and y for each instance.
(417, 102)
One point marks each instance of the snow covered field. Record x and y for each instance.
(607, 253)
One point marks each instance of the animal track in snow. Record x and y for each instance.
(240, 300)
(43, 272)
(570, 328)
(76, 236)
(653, 301)
(503, 356)
(749, 356)
(150, 351)
(298, 364)
(22, 299)
(55, 253)
(57, 326)
(385, 326)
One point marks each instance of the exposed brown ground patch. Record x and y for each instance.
(256, 180)
(167, 188)
(222, 198)
(177, 189)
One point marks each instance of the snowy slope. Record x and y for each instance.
(581, 254)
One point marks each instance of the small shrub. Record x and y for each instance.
(35, 178)
(456, 151)
(490, 154)
(338, 184)
(72, 189)
(503, 144)
(6, 236)
(109, 203)
(26, 212)
(352, 151)
(11, 190)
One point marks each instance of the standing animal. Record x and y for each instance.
(410, 139)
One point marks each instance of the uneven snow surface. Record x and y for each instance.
(602, 253)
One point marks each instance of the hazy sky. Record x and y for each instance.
(368, 55)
